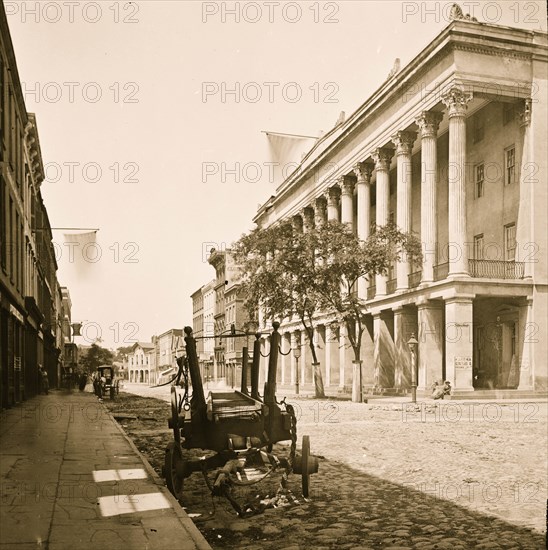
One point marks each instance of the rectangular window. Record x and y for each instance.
(478, 247)
(510, 242)
(510, 164)
(2, 109)
(3, 228)
(480, 177)
(12, 128)
(9, 237)
(478, 128)
(508, 113)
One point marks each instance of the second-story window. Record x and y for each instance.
(478, 247)
(478, 128)
(480, 178)
(510, 165)
(510, 242)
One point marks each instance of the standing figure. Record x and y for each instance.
(83, 381)
(44, 382)
(98, 386)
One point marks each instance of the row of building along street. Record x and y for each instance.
(35, 308)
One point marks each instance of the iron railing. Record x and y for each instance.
(391, 286)
(371, 291)
(441, 271)
(496, 269)
(414, 279)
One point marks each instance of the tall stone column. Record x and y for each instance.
(459, 342)
(428, 122)
(456, 100)
(384, 352)
(331, 355)
(304, 362)
(382, 157)
(404, 147)
(527, 337)
(430, 337)
(295, 342)
(347, 195)
(368, 354)
(320, 211)
(405, 324)
(526, 220)
(308, 218)
(285, 359)
(363, 172)
(297, 223)
(332, 196)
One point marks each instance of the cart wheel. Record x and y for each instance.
(175, 416)
(305, 454)
(174, 461)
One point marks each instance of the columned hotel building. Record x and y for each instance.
(453, 148)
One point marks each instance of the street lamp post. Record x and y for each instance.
(412, 343)
(297, 354)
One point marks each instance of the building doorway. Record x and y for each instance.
(496, 358)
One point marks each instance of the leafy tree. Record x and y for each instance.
(121, 352)
(93, 357)
(278, 271)
(288, 273)
(342, 258)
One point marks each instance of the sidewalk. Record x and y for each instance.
(72, 479)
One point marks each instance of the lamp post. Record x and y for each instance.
(297, 354)
(413, 343)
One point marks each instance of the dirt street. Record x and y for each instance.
(438, 475)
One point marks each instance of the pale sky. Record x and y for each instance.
(135, 89)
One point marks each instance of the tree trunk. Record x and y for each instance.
(355, 333)
(316, 370)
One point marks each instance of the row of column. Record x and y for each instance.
(385, 354)
(444, 329)
(327, 206)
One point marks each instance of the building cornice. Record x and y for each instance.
(5, 38)
(460, 35)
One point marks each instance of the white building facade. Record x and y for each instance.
(141, 363)
(453, 148)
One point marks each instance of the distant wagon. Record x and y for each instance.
(109, 383)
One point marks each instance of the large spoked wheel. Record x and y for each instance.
(173, 464)
(175, 416)
(305, 456)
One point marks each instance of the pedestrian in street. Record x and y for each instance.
(44, 382)
(98, 386)
(83, 381)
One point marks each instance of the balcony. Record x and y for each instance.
(371, 291)
(391, 286)
(496, 269)
(441, 271)
(414, 279)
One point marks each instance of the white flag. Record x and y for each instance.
(81, 251)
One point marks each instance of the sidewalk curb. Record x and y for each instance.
(189, 525)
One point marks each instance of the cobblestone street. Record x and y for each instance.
(441, 475)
